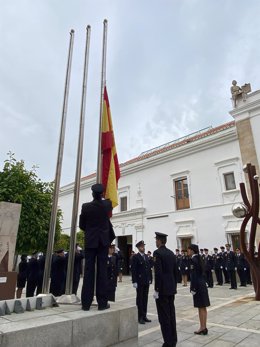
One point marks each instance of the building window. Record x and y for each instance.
(229, 179)
(123, 204)
(182, 194)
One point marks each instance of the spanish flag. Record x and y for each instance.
(110, 166)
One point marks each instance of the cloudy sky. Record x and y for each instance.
(170, 64)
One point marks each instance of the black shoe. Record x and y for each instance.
(104, 308)
(147, 320)
(85, 308)
(202, 332)
(141, 321)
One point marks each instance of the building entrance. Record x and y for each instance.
(124, 243)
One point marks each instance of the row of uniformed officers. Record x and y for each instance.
(30, 273)
(225, 264)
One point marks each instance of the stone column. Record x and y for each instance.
(247, 119)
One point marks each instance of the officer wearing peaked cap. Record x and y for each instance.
(141, 278)
(98, 230)
(165, 283)
(218, 266)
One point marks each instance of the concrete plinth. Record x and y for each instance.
(69, 326)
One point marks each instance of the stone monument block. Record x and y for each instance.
(9, 223)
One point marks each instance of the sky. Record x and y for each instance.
(169, 70)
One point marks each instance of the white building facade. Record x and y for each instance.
(185, 188)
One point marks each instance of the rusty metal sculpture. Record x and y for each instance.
(248, 211)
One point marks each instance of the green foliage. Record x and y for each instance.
(19, 185)
(63, 242)
(80, 238)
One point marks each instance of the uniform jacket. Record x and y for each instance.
(141, 270)
(217, 260)
(241, 261)
(112, 273)
(230, 261)
(32, 270)
(196, 274)
(95, 222)
(165, 271)
(184, 264)
(208, 261)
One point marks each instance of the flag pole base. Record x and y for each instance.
(68, 299)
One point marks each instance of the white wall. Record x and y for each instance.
(204, 163)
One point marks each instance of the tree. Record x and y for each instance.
(63, 242)
(19, 185)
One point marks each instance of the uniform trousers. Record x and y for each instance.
(242, 276)
(167, 319)
(30, 288)
(233, 280)
(219, 276)
(142, 300)
(95, 255)
(226, 275)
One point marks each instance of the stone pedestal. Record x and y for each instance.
(69, 326)
(7, 285)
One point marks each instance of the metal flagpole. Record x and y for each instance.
(73, 234)
(103, 82)
(48, 258)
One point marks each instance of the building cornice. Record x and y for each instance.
(225, 136)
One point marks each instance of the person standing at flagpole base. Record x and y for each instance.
(165, 285)
(94, 221)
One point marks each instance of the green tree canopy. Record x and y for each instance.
(19, 185)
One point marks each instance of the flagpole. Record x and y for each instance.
(48, 258)
(103, 82)
(73, 234)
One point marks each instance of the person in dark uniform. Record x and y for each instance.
(241, 267)
(79, 256)
(225, 273)
(248, 273)
(217, 263)
(22, 275)
(120, 265)
(112, 273)
(184, 266)
(230, 266)
(165, 286)
(198, 288)
(141, 278)
(41, 265)
(58, 273)
(150, 257)
(208, 265)
(32, 275)
(178, 259)
(99, 234)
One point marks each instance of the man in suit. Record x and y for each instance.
(230, 266)
(141, 278)
(95, 222)
(165, 283)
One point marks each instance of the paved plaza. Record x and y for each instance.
(233, 318)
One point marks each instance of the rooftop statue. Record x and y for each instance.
(239, 92)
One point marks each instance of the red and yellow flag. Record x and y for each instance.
(110, 166)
